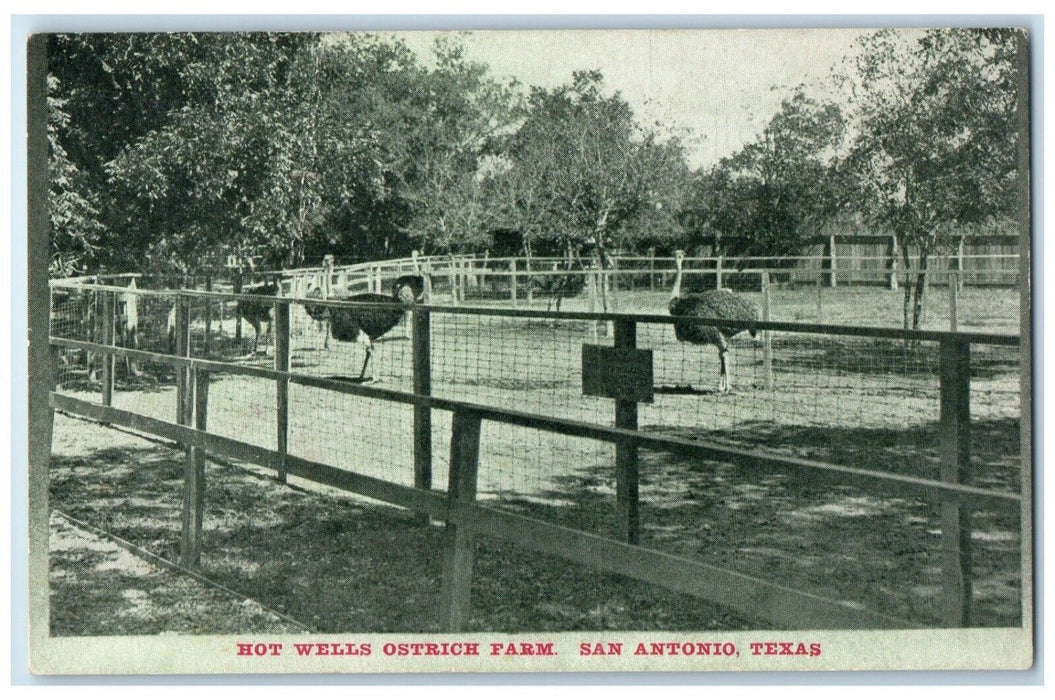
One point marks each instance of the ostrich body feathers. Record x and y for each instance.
(716, 303)
(345, 324)
(408, 289)
(254, 311)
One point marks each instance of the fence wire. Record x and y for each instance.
(864, 402)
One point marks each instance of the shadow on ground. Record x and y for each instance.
(343, 564)
(337, 564)
(839, 542)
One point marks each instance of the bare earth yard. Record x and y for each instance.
(335, 563)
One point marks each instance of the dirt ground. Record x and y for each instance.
(332, 562)
(101, 588)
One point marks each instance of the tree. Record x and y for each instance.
(582, 175)
(401, 148)
(934, 116)
(217, 174)
(174, 135)
(776, 193)
(455, 131)
(74, 214)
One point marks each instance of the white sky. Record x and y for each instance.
(717, 83)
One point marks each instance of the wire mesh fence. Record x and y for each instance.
(867, 402)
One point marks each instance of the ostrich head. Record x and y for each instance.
(405, 295)
(410, 289)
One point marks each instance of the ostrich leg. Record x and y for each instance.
(256, 336)
(366, 361)
(365, 340)
(723, 359)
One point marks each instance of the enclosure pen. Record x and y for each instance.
(486, 419)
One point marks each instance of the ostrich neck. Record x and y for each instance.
(676, 292)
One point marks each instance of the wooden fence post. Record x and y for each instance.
(513, 282)
(832, 264)
(282, 384)
(820, 302)
(208, 313)
(718, 265)
(955, 441)
(194, 477)
(628, 522)
(959, 263)
(427, 274)
(184, 392)
(893, 263)
(954, 291)
(452, 279)
(473, 272)
(237, 286)
(767, 341)
(606, 298)
(853, 264)
(422, 359)
(54, 379)
(651, 269)
(530, 281)
(458, 536)
(109, 322)
(591, 291)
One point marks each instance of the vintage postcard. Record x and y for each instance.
(488, 351)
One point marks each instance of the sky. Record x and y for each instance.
(717, 83)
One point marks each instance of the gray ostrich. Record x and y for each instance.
(723, 304)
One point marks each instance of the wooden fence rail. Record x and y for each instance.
(832, 264)
(467, 519)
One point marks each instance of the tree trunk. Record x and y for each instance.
(920, 290)
(906, 311)
(603, 277)
(527, 268)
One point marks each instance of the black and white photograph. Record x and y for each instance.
(530, 350)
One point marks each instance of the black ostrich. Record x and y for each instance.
(258, 312)
(364, 324)
(408, 289)
(738, 315)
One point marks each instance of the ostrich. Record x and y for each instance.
(364, 324)
(723, 304)
(258, 312)
(558, 286)
(408, 289)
